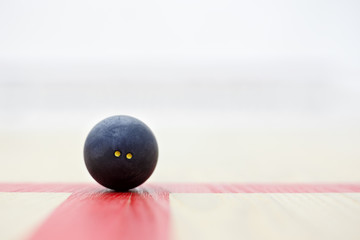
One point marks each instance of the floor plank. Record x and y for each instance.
(330, 216)
(22, 213)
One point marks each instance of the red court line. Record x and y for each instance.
(261, 188)
(49, 187)
(93, 212)
(109, 215)
(188, 187)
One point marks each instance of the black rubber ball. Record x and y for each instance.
(120, 152)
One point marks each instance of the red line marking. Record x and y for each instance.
(49, 187)
(187, 188)
(92, 212)
(109, 215)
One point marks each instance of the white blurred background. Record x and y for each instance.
(243, 91)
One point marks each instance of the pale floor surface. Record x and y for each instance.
(255, 216)
(204, 154)
(21, 213)
(328, 216)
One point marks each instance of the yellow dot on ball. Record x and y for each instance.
(129, 156)
(117, 153)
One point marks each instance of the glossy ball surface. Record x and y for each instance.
(120, 152)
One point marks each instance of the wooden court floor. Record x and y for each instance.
(180, 211)
(218, 184)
